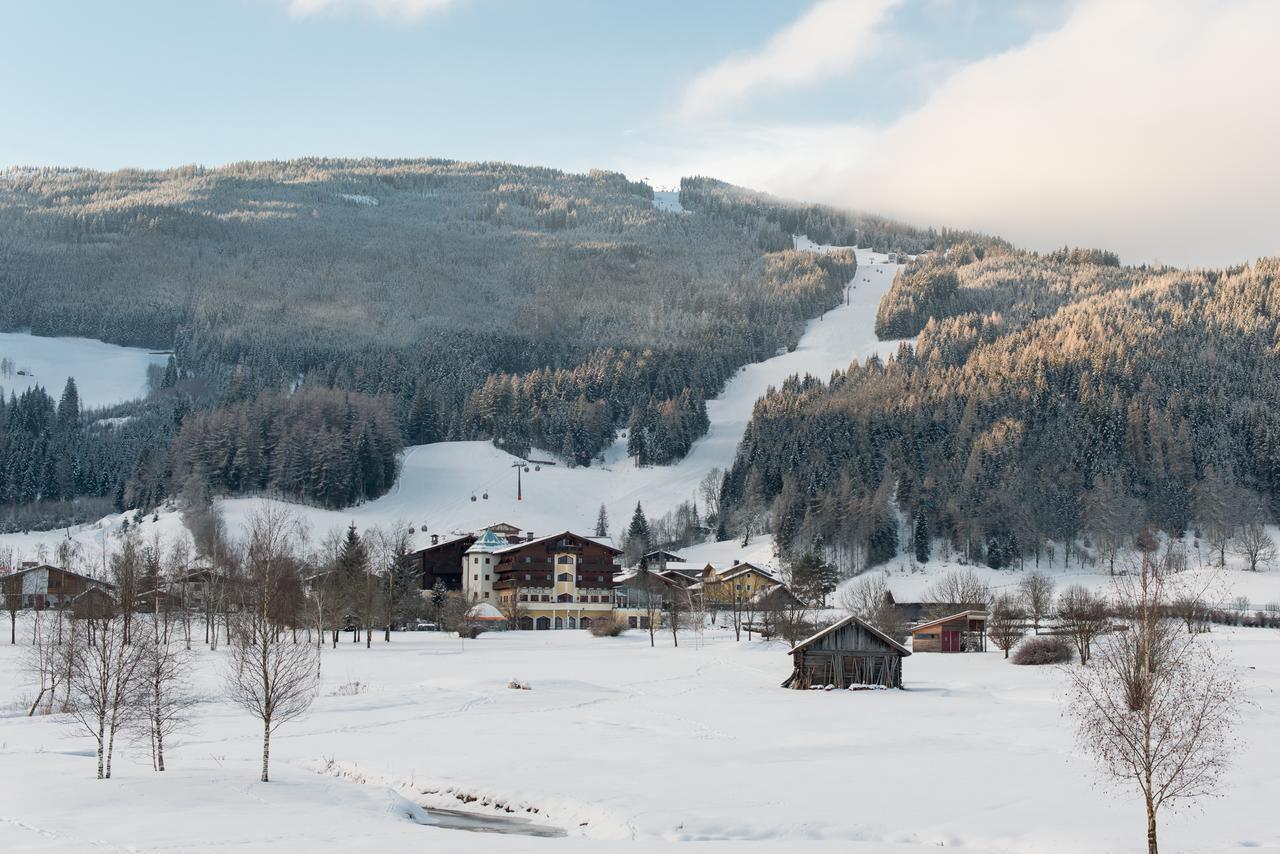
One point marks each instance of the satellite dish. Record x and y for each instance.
(473, 498)
(486, 496)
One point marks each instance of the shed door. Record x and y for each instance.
(951, 641)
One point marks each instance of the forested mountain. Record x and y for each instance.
(770, 222)
(1053, 397)
(480, 300)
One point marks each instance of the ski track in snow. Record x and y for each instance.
(437, 481)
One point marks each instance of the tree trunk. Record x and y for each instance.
(13, 628)
(1152, 848)
(266, 747)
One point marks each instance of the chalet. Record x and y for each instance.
(850, 653)
(563, 581)
(738, 583)
(42, 586)
(95, 603)
(962, 632)
(660, 558)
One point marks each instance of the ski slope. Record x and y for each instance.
(437, 481)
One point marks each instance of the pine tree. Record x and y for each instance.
(638, 531)
(602, 522)
(921, 537)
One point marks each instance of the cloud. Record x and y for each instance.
(404, 10)
(1150, 128)
(831, 38)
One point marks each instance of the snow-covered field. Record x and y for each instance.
(105, 374)
(1219, 586)
(437, 481)
(626, 748)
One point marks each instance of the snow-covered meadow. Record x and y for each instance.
(105, 374)
(628, 748)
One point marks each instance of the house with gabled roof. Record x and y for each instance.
(850, 653)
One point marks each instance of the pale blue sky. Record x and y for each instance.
(569, 83)
(1145, 126)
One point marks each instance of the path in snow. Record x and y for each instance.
(437, 481)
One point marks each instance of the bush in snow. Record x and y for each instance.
(1043, 649)
(609, 627)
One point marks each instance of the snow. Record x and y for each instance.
(1219, 586)
(669, 201)
(629, 748)
(358, 199)
(105, 374)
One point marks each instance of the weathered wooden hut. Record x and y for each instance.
(850, 652)
(962, 632)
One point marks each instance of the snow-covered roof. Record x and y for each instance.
(852, 618)
(489, 542)
(972, 613)
(510, 547)
(744, 568)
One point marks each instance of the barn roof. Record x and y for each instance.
(957, 616)
(840, 625)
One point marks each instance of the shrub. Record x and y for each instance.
(609, 627)
(1043, 649)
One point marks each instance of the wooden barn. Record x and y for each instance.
(962, 632)
(848, 653)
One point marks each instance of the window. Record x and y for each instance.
(486, 561)
(528, 577)
(486, 594)
(564, 576)
(475, 578)
(524, 597)
(564, 559)
(486, 577)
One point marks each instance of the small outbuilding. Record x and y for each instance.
(850, 653)
(962, 632)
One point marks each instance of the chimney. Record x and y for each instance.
(528, 536)
(435, 539)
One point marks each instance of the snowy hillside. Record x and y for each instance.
(438, 481)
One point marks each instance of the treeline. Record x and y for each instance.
(1056, 400)
(772, 222)
(60, 465)
(1001, 289)
(315, 445)
(577, 411)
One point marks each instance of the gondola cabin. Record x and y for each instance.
(962, 632)
(848, 654)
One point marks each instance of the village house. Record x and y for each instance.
(739, 583)
(848, 654)
(40, 586)
(962, 632)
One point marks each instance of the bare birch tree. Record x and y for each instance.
(103, 682)
(271, 677)
(164, 696)
(1155, 706)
